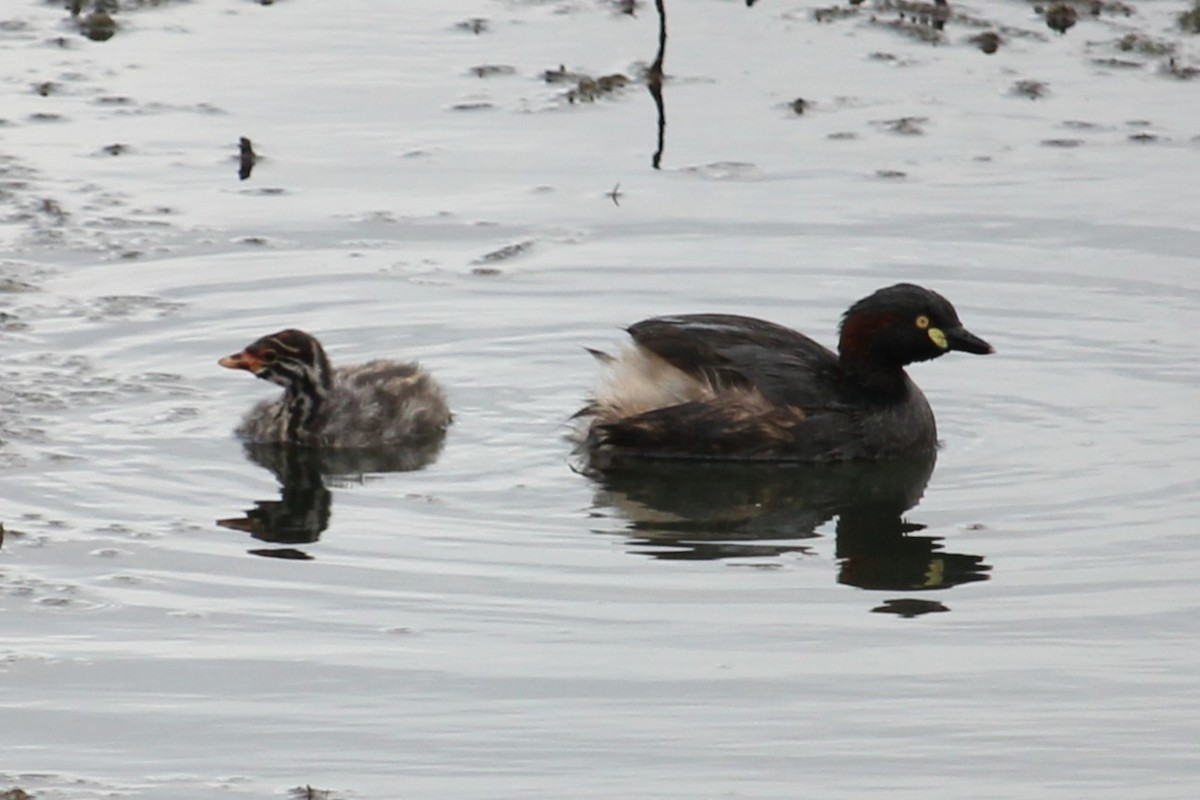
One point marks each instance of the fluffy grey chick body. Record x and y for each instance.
(377, 404)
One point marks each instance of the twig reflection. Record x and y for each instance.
(654, 80)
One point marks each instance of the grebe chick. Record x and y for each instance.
(377, 404)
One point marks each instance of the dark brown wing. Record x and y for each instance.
(786, 366)
(726, 429)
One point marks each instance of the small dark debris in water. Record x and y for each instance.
(1189, 21)
(616, 194)
(475, 25)
(115, 149)
(257, 241)
(989, 41)
(45, 88)
(842, 136)
(916, 30)
(834, 13)
(267, 191)
(627, 7)
(880, 56)
(1080, 125)
(934, 14)
(1135, 43)
(98, 26)
(976, 526)
(113, 100)
(506, 252)
(909, 607)
(561, 75)
(1143, 138)
(247, 158)
(309, 793)
(1181, 71)
(588, 90)
(492, 70)
(800, 105)
(13, 286)
(1060, 17)
(472, 105)
(287, 554)
(890, 174)
(10, 322)
(486, 271)
(52, 209)
(42, 116)
(1029, 88)
(1111, 7)
(1066, 143)
(1116, 63)
(905, 126)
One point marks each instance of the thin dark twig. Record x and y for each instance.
(654, 79)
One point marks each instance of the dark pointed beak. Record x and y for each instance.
(962, 339)
(242, 360)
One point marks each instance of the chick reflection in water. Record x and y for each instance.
(381, 416)
(305, 503)
(713, 510)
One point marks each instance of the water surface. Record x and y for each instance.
(1017, 620)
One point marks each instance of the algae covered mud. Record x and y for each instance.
(490, 187)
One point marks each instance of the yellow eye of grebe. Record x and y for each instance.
(922, 322)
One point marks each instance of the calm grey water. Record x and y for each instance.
(1018, 620)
